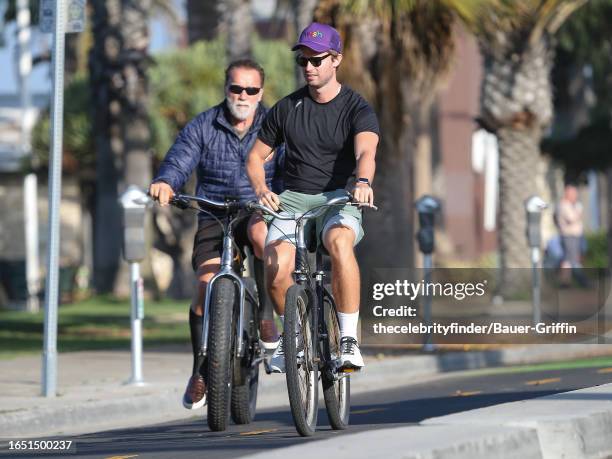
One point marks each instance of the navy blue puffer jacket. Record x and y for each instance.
(210, 144)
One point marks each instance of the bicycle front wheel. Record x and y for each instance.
(336, 387)
(220, 352)
(300, 364)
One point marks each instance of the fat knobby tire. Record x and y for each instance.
(220, 352)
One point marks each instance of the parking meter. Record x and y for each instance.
(534, 205)
(134, 202)
(427, 207)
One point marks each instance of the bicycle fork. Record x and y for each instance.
(225, 271)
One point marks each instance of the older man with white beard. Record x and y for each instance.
(216, 143)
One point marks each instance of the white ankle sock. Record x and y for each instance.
(348, 324)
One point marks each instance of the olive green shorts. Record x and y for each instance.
(299, 203)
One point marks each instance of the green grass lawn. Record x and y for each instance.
(95, 324)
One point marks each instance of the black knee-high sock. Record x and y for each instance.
(266, 308)
(195, 326)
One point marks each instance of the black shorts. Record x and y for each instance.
(208, 241)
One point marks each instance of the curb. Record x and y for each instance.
(159, 403)
(576, 425)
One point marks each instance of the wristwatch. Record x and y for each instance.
(363, 180)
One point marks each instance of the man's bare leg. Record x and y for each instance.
(279, 258)
(279, 265)
(339, 242)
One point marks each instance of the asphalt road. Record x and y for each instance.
(374, 410)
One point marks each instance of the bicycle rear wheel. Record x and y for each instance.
(336, 387)
(220, 352)
(301, 367)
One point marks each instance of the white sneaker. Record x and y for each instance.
(350, 355)
(277, 361)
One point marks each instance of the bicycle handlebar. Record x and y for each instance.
(182, 201)
(317, 211)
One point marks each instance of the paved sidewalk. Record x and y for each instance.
(92, 394)
(572, 425)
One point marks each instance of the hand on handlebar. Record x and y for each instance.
(363, 195)
(269, 199)
(161, 192)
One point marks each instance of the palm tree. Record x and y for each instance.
(203, 19)
(516, 40)
(118, 63)
(239, 24)
(396, 53)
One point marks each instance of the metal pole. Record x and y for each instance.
(30, 212)
(55, 189)
(428, 346)
(535, 261)
(136, 316)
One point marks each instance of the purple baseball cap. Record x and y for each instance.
(320, 38)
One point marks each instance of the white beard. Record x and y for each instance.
(241, 110)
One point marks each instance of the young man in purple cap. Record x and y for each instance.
(330, 134)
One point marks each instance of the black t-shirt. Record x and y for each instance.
(319, 138)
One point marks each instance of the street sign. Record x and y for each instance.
(75, 16)
(74, 19)
(46, 19)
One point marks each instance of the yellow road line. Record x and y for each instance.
(461, 393)
(604, 370)
(369, 410)
(122, 457)
(258, 432)
(537, 382)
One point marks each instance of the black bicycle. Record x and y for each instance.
(311, 316)
(230, 335)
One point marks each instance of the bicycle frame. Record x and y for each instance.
(226, 270)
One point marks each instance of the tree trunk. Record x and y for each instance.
(518, 163)
(203, 19)
(516, 103)
(609, 212)
(240, 29)
(174, 236)
(72, 57)
(118, 63)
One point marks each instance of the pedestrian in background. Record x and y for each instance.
(569, 219)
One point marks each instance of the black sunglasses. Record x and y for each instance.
(315, 61)
(235, 89)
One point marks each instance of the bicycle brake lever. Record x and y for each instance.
(180, 203)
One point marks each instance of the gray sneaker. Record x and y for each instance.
(277, 362)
